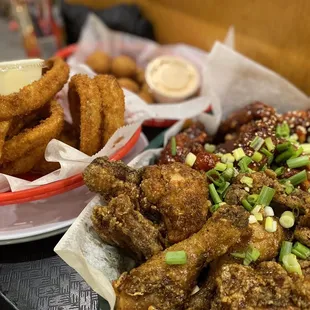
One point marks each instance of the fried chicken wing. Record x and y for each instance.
(112, 178)
(157, 285)
(121, 225)
(179, 194)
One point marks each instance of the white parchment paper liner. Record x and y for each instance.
(236, 81)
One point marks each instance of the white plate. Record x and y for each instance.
(43, 218)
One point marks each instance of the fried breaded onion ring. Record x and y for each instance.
(113, 104)
(32, 138)
(36, 94)
(24, 164)
(85, 108)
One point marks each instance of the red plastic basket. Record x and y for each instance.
(59, 187)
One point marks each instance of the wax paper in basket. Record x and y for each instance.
(96, 36)
(234, 78)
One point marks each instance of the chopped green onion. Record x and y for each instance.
(285, 155)
(269, 144)
(243, 164)
(258, 216)
(220, 167)
(283, 130)
(283, 146)
(286, 248)
(213, 208)
(266, 152)
(298, 178)
(238, 153)
(270, 224)
(209, 147)
(265, 196)
(228, 174)
(287, 219)
(298, 162)
(297, 153)
(257, 143)
(256, 209)
(257, 157)
(215, 177)
(252, 219)
(173, 146)
(190, 159)
(227, 158)
(223, 188)
(279, 171)
(288, 187)
(268, 211)
(301, 251)
(247, 181)
(214, 195)
(246, 205)
(291, 264)
(252, 199)
(252, 254)
(306, 148)
(238, 254)
(176, 258)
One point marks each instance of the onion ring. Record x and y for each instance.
(36, 94)
(32, 138)
(24, 164)
(85, 107)
(113, 105)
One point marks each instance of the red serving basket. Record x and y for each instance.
(70, 49)
(61, 186)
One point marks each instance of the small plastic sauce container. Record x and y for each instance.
(14, 75)
(172, 79)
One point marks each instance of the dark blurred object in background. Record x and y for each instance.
(123, 17)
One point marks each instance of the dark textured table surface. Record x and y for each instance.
(32, 277)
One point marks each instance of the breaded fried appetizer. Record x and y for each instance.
(128, 84)
(85, 107)
(112, 104)
(123, 66)
(100, 62)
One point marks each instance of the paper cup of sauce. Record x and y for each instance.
(172, 79)
(14, 75)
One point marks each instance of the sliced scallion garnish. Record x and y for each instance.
(286, 248)
(287, 219)
(301, 251)
(265, 196)
(298, 178)
(176, 258)
(173, 146)
(214, 195)
(269, 144)
(298, 162)
(291, 264)
(257, 143)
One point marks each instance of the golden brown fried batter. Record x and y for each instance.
(32, 138)
(121, 225)
(161, 286)
(179, 194)
(112, 104)
(123, 66)
(128, 84)
(35, 95)
(100, 62)
(86, 108)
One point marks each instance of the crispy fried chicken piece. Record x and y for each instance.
(302, 231)
(297, 199)
(179, 194)
(157, 285)
(121, 225)
(112, 178)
